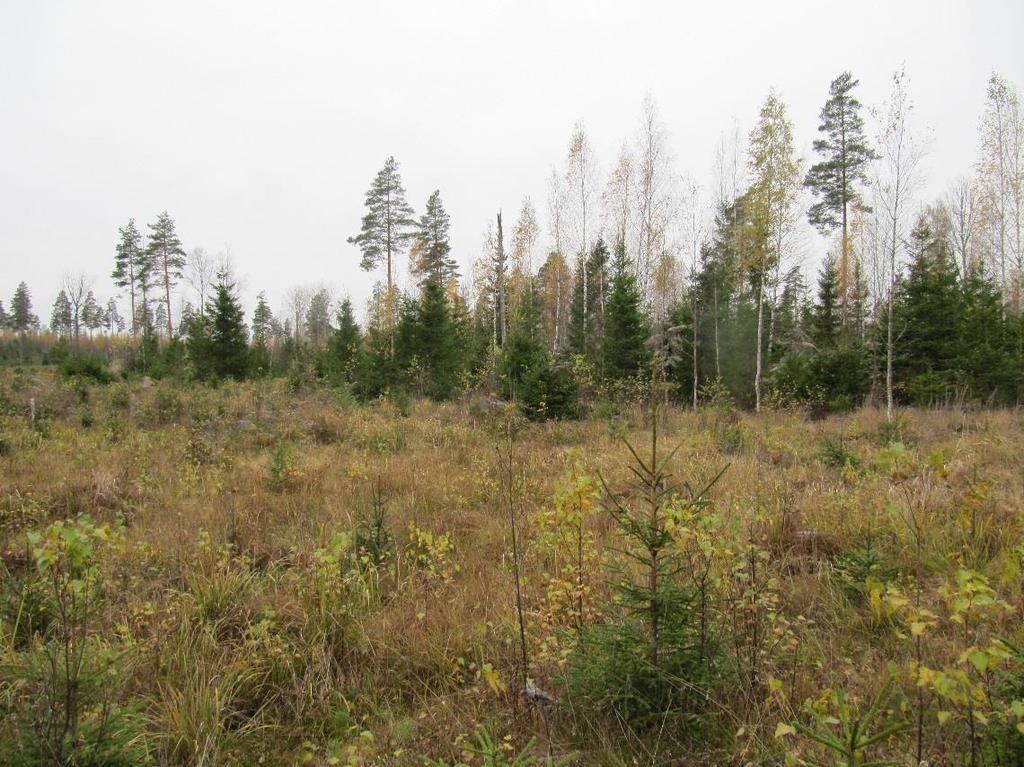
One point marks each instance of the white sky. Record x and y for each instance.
(259, 125)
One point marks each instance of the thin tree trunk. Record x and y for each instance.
(760, 332)
(167, 295)
(695, 351)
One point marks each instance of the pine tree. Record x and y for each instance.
(433, 249)
(826, 318)
(4, 318)
(129, 266)
(387, 226)
(845, 153)
(92, 313)
(167, 259)
(61, 322)
(625, 337)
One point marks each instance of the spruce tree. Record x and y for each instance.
(987, 358)
(626, 332)
(929, 312)
(262, 320)
(528, 377)
(166, 258)
(262, 331)
(433, 250)
(845, 154)
(219, 345)
(437, 342)
(825, 318)
(342, 354)
(4, 318)
(128, 259)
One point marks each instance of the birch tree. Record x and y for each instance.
(200, 273)
(695, 222)
(76, 287)
(581, 187)
(898, 178)
(961, 211)
(618, 197)
(1001, 176)
(772, 199)
(653, 193)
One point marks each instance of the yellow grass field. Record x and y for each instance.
(253, 613)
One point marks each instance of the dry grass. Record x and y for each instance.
(250, 644)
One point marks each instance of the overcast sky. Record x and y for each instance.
(259, 125)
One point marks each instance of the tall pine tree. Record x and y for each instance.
(130, 266)
(845, 154)
(167, 260)
(61, 322)
(387, 226)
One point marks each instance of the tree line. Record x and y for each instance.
(915, 302)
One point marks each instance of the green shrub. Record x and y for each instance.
(929, 389)
(836, 454)
(85, 367)
(854, 567)
(62, 688)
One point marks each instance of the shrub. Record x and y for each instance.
(63, 687)
(929, 389)
(858, 566)
(836, 454)
(85, 367)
